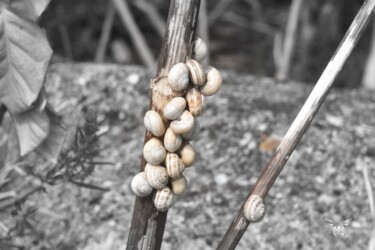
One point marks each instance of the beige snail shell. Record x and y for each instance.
(174, 108)
(174, 165)
(140, 185)
(193, 133)
(157, 176)
(187, 154)
(197, 74)
(179, 185)
(178, 76)
(154, 152)
(184, 124)
(164, 199)
(154, 123)
(200, 49)
(254, 208)
(213, 84)
(172, 141)
(195, 101)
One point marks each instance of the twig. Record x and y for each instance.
(301, 123)
(203, 29)
(219, 9)
(368, 80)
(138, 40)
(106, 32)
(90, 186)
(370, 193)
(66, 42)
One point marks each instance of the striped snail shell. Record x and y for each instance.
(195, 101)
(187, 154)
(164, 199)
(178, 76)
(175, 166)
(184, 124)
(193, 133)
(140, 185)
(213, 83)
(172, 141)
(154, 152)
(179, 185)
(197, 74)
(174, 108)
(154, 123)
(200, 49)
(157, 176)
(254, 208)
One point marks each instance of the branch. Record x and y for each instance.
(106, 32)
(300, 124)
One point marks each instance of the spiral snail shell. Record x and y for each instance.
(254, 208)
(140, 185)
(175, 166)
(179, 185)
(187, 154)
(213, 83)
(178, 76)
(184, 124)
(197, 74)
(195, 101)
(157, 176)
(193, 133)
(200, 49)
(172, 141)
(154, 123)
(154, 152)
(164, 199)
(174, 108)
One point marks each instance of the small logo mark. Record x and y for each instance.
(338, 230)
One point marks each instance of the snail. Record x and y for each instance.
(195, 101)
(174, 108)
(187, 154)
(164, 199)
(184, 124)
(154, 123)
(213, 82)
(254, 208)
(157, 176)
(140, 185)
(193, 133)
(175, 166)
(179, 185)
(154, 152)
(199, 49)
(196, 72)
(178, 76)
(172, 141)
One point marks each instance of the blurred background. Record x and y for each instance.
(286, 39)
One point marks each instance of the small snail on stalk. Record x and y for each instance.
(254, 208)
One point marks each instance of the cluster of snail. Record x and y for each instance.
(169, 152)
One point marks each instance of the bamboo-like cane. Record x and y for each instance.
(301, 123)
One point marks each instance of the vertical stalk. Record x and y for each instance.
(147, 226)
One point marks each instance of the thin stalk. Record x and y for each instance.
(301, 123)
(106, 33)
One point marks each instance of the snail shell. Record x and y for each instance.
(187, 154)
(213, 83)
(254, 209)
(172, 141)
(154, 152)
(140, 185)
(195, 101)
(197, 74)
(184, 124)
(200, 49)
(174, 165)
(157, 176)
(193, 133)
(179, 185)
(164, 199)
(154, 123)
(174, 108)
(178, 76)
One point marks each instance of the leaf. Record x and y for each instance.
(24, 57)
(28, 9)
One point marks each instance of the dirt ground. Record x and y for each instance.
(322, 179)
